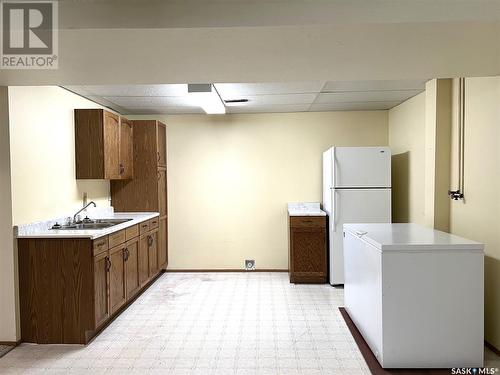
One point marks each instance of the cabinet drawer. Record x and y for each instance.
(132, 232)
(153, 223)
(100, 245)
(116, 238)
(143, 227)
(308, 221)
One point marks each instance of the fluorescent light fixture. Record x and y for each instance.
(206, 97)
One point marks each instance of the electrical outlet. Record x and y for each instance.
(250, 264)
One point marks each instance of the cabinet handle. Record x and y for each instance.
(150, 241)
(158, 156)
(126, 254)
(122, 168)
(108, 264)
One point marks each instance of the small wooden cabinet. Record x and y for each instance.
(307, 249)
(70, 288)
(103, 145)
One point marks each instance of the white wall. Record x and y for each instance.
(8, 277)
(43, 154)
(230, 178)
(478, 216)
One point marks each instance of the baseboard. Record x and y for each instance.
(226, 270)
(10, 343)
(492, 348)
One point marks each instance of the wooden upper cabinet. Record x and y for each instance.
(162, 144)
(126, 148)
(103, 145)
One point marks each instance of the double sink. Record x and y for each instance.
(91, 224)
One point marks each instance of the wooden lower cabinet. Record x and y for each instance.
(307, 249)
(153, 252)
(143, 259)
(101, 282)
(117, 292)
(132, 283)
(70, 288)
(162, 244)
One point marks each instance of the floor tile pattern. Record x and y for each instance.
(211, 323)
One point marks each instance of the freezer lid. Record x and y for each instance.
(410, 237)
(362, 167)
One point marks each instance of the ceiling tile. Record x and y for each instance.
(171, 110)
(365, 96)
(138, 90)
(357, 106)
(151, 101)
(276, 99)
(269, 108)
(340, 86)
(239, 90)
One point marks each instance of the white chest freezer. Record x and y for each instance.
(415, 294)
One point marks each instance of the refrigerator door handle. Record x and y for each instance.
(335, 209)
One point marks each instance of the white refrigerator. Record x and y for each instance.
(356, 189)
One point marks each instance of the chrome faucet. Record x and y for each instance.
(84, 208)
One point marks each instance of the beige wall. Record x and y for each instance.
(230, 178)
(478, 216)
(43, 154)
(8, 293)
(406, 139)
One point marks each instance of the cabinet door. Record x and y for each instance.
(143, 259)
(126, 148)
(162, 243)
(162, 144)
(117, 293)
(101, 288)
(162, 192)
(132, 267)
(111, 134)
(308, 261)
(153, 253)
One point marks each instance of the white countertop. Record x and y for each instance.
(305, 209)
(42, 230)
(409, 237)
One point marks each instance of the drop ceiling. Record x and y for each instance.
(271, 97)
